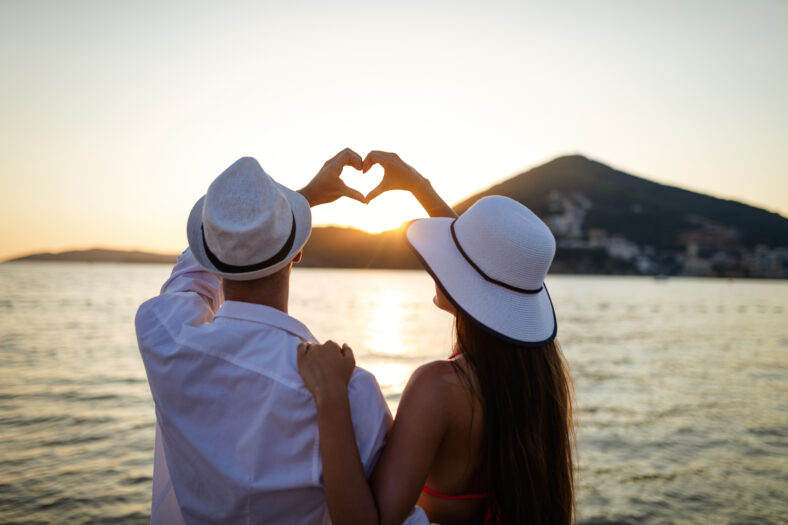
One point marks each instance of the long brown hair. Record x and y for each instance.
(528, 434)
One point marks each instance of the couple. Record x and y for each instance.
(256, 422)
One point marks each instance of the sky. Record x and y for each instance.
(116, 116)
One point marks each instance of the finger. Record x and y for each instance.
(303, 348)
(377, 190)
(347, 191)
(374, 157)
(347, 353)
(354, 159)
(348, 157)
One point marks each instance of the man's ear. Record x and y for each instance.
(297, 258)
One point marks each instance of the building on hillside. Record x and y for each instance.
(567, 214)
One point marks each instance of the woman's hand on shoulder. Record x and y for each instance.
(325, 368)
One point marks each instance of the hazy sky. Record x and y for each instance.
(115, 116)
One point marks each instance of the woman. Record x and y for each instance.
(485, 436)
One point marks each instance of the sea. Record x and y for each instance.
(681, 386)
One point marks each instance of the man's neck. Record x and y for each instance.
(280, 305)
(275, 298)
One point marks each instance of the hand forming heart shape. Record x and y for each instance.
(363, 182)
(327, 186)
(397, 175)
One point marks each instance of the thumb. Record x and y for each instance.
(303, 348)
(380, 188)
(372, 158)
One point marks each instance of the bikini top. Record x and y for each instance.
(446, 496)
(489, 518)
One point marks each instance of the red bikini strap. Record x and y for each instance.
(444, 496)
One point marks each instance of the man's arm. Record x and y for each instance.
(188, 276)
(191, 295)
(371, 417)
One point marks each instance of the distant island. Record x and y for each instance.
(99, 255)
(605, 221)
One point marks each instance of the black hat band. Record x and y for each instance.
(481, 272)
(230, 268)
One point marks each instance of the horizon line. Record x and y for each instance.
(72, 248)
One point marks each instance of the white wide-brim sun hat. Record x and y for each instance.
(491, 263)
(247, 225)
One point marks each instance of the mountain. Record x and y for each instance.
(645, 212)
(334, 247)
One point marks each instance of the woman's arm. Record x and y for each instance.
(397, 175)
(413, 443)
(326, 371)
(408, 455)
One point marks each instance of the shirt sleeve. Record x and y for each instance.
(188, 276)
(371, 417)
(190, 297)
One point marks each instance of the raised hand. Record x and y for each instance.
(327, 186)
(326, 368)
(397, 175)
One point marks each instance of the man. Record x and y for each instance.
(236, 430)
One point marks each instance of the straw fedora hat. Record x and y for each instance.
(491, 264)
(247, 225)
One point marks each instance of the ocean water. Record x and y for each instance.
(681, 386)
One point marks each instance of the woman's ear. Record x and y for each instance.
(297, 258)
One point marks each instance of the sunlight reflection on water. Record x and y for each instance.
(384, 331)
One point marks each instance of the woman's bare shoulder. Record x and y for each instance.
(436, 381)
(434, 374)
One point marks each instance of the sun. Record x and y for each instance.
(387, 212)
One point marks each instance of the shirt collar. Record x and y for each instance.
(258, 313)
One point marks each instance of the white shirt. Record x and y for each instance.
(236, 429)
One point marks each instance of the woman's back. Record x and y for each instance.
(453, 491)
(435, 442)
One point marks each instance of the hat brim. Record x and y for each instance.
(303, 227)
(525, 319)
